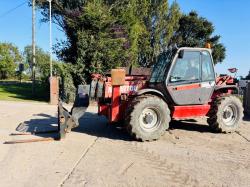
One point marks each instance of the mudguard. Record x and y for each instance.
(150, 90)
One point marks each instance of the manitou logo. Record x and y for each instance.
(129, 88)
(125, 89)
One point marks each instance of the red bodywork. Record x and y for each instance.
(225, 80)
(119, 97)
(192, 111)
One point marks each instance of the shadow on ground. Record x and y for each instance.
(246, 118)
(90, 124)
(45, 123)
(95, 125)
(190, 125)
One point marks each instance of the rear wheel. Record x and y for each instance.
(147, 118)
(226, 114)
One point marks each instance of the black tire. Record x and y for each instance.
(226, 114)
(146, 111)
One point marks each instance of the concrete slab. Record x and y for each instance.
(36, 164)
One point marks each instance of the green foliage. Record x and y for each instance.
(147, 26)
(67, 88)
(195, 31)
(23, 91)
(97, 50)
(42, 67)
(9, 57)
(105, 34)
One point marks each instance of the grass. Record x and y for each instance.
(13, 91)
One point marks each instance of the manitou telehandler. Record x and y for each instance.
(181, 85)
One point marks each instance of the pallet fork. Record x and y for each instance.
(66, 119)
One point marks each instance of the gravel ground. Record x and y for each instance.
(99, 155)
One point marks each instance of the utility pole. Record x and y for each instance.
(50, 38)
(50, 49)
(33, 45)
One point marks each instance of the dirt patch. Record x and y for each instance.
(99, 155)
(187, 155)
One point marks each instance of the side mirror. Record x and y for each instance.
(181, 54)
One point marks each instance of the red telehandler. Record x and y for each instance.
(181, 85)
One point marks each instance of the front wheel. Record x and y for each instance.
(226, 114)
(147, 118)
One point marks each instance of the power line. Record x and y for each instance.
(13, 9)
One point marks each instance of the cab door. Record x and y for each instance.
(208, 77)
(184, 80)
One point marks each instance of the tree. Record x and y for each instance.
(196, 31)
(149, 26)
(42, 67)
(105, 34)
(91, 45)
(98, 50)
(42, 71)
(9, 57)
(42, 62)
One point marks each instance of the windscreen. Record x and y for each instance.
(160, 67)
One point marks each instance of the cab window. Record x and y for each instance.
(187, 68)
(207, 67)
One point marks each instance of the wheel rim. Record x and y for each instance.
(229, 115)
(149, 119)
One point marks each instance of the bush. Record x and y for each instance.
(67, 88)
(9, 56)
